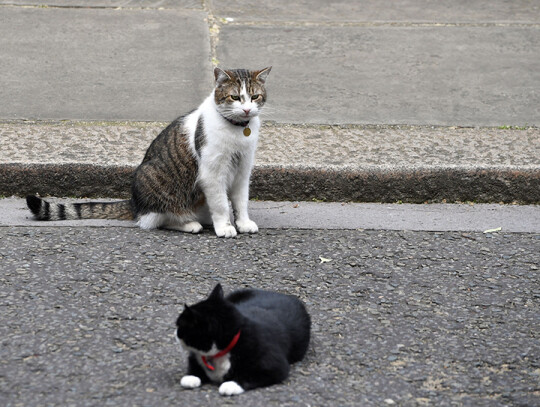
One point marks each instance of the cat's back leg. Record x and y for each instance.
(154, 220)
(151, 220)
(273, 368)
(186, 223)
(189, 227)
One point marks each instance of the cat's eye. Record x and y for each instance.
(235, 97)
(255, 97)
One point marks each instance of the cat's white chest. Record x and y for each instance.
(221, 368)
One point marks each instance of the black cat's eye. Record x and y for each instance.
(235, 97)
(255, 97)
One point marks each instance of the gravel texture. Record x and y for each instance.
(399, 318)
(281, 145)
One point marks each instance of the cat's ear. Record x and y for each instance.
(217, 293)
(221, 76)
(262, 74)
(188, 312)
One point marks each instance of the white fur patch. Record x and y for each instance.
(221, 365)
(213, 350)
(190, 382)
(151, 220)
(225, 163)
(230, 389)
(246, 226)
(221, 368)
(189, 227)
(244, 92)
(226, 230)
(154, 220)
(71, 212)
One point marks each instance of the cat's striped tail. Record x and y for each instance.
(44, 210)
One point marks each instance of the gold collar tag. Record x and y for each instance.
(247, 131)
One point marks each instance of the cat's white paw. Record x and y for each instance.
(225, 231)
(247, 226)
(190, 382)
(230, 389)
(190, 227)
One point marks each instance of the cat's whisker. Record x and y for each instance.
(270, 114)
(272, 109)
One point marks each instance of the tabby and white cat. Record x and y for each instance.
(192, 168)
(243, 341)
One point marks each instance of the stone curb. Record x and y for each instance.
(294, 162)
(297, 184)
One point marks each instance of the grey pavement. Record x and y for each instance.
(413, 102)
(399, 318)
(332, 64)
(335, 215)
(101, 64)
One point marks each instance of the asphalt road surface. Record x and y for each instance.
(399, 318)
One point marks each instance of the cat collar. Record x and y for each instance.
(236, 122)
(247, 130)
(221, 353)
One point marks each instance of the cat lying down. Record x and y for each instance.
(245, 340)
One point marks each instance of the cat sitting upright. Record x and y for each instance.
(192, 167)
(243, 341)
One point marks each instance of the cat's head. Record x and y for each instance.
(213, 321)
(240, 94)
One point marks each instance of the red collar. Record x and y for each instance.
(221, 353)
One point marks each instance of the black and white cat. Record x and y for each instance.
(192, 168)
(243, 341)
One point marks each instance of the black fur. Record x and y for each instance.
(62, 211)
(34, 203)
(199, 136)
(78, 209)
(46, 210)
(275, 331)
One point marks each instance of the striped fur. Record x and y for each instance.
(44, 210)
(192, 167)
(166, 181)
(199, 136)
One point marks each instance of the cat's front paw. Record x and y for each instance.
(247, 226)
(225, 231)
(190, 382)
(230, 389)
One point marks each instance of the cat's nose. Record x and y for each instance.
(246, 111)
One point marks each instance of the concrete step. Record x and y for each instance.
(294, 162)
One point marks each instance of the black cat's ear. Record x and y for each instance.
(262, 74)
(221, 76)
(217, 293)
(189, 315)
(187, 312)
